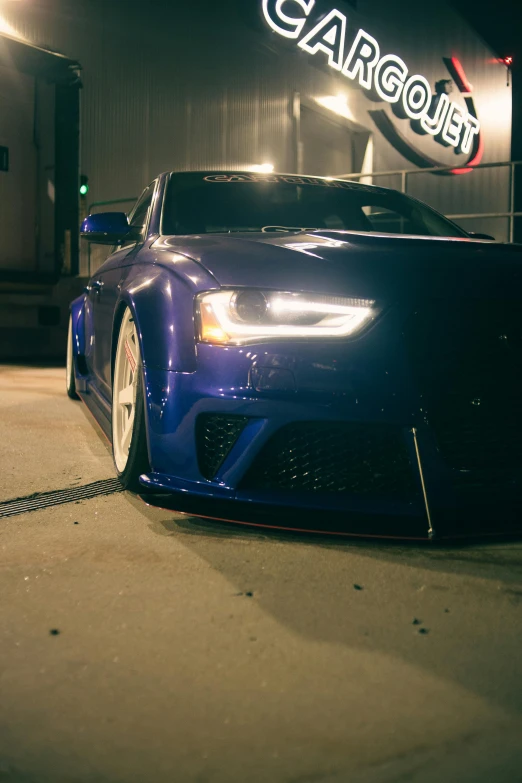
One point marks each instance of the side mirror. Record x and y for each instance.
(474, 235)
(106, 228)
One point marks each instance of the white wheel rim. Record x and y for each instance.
(127, 367)
(69, 359)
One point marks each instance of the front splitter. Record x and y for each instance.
(291, 519)
(467, 526)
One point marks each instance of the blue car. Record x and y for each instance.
(305, 352)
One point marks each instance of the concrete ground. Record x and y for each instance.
(195, 651)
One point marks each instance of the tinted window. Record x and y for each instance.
(224, 203)
(140, 215)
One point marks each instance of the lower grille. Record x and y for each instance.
(467, 359)
(335, 457)
(215, 436)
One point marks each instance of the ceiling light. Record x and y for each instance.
(8, 29)
(262, 168)
(338, 104)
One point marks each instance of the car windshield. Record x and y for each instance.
(227, 203)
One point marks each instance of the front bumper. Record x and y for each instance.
(364, 383)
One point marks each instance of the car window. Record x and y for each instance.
(199, 204)
(139, 217)
(388, 221)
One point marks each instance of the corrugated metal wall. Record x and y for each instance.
(202, 84)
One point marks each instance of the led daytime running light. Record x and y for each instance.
(326, 317)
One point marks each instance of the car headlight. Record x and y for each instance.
(237, 317)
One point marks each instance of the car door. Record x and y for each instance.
(105, 289)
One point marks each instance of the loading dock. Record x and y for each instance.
(39, 176)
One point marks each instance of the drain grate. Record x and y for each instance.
(57, 498)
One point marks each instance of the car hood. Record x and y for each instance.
(369, 266)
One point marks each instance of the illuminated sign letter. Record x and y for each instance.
(289, 26)
(390, 76)
(362, 59)
(386, 77)
(328, 36)
(471, 128)
(433, 124)
(453, 125)
(416, 97)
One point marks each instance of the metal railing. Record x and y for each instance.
(96, 204)
(404, 174)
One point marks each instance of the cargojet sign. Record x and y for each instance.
(385, 75)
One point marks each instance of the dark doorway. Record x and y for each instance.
(39, 176)
(330, 145)
(18, 180)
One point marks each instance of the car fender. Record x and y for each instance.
(77, 309)
(163, 307)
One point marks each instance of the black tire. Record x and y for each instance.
(138, 458)
(70, 378)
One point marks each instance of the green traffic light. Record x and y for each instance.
(84, 189)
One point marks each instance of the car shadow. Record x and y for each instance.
(451, 609)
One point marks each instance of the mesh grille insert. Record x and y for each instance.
(335, 457)
(215, 436)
